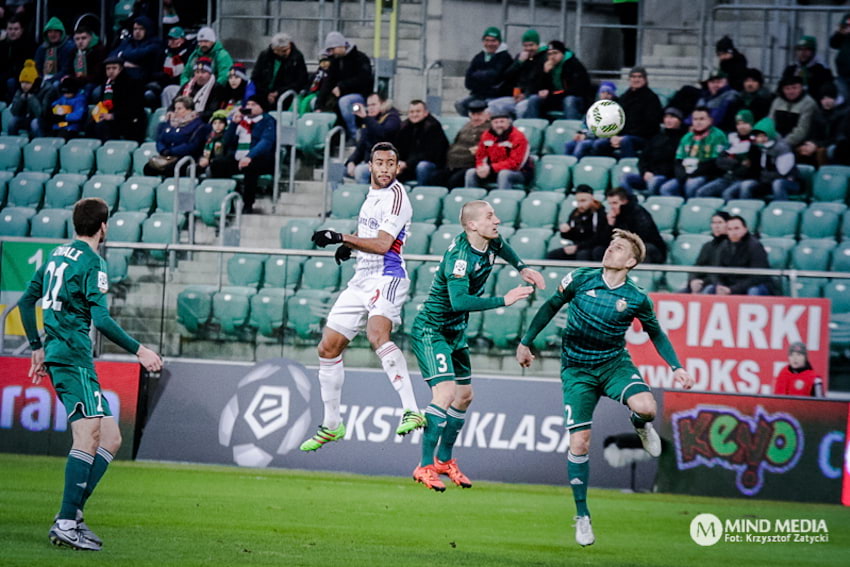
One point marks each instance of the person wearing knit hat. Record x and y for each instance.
(531, 36)
(502, 156)
(205, 90)
(27, 104)
(206, 34)
(798, 378)
(349, 80)
(214, 144)
(523, 78)
(120, 112)
(486, 76)
(68, 112)
(565, 85)
(177, 52)
(808, 67)
(235, 91)
(720, 99)
(755, 96)
(607, 88)
(29, 74)
(177, 33)
(745, 116)
(335, 40)
(207, 46)
(731, 62)
(54, 56)
(279, 68)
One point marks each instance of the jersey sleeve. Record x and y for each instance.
(398, 215)
(27, 304)
(646, 315)
(563, 295)
(508, 254)
(455, 268)
(96, 285)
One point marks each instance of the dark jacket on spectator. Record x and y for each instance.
(721, 107)
(659, 155)
(758, 103)
(828, 126)
(644, 112)
(635, 218)
(574, 79)
(291, 74)
(262, 139)
(527, 75)
(64, 52)
(13, 54)
(841, 42)
(173, 64)
(590, 229)
(815, 75)
(94, 57)
(747, 253)
(735, 69)
(423, 141)
(708, 256)
(28, 105)
(128, 107)
(352, 73)
(182, 140)
(374, 129)
(144, 54)
(486, 79)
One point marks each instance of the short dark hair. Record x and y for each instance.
(418, 101)
(738, 217)
(380, 96)
(15, 19)
(89, 215)
(722, 214)
(701, 109)
(83, 29)
(617, 192)
(383, 147)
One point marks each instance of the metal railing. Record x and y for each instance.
(328, 166)
(285, 136)
(183, 202)
(223, 231)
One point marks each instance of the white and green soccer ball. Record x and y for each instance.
(605, 118)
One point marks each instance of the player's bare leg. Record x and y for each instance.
(643, 412)
(331, 378)
(578, 469)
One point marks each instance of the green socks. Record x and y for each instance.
(454, 423)
(98, 469)
(77, 472)
(435, 421)
(638, 421)
(578, 470)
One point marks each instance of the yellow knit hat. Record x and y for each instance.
(28, 73)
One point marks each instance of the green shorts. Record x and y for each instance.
(442, 356)
(618, 379)
(79, 390)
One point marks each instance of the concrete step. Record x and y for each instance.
(680, 62)
(675, 50)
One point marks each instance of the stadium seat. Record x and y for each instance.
(505, 208)
(344, 226)
(126, 226)
(807, 287)
(695, 215)
(778, 250)
(158, 229)
(194, 307)
(77, 156)
(686, 248)
(456, 198)
(748, 209)
(623, 167)
(781, 219)
(115, 157)
(568, 205)
(282, 272)
(502, 326)
(11, 153)
(297, 232)
(208, 198)
(15, 221)
(424, 278)
(807, 179)
(558, 133)
(555, 241)
(442, 238)
(838, 292)
(551, 175)
(664, 213)
(231, 307)
(646, 279)
(63, 190)
(507, 279)
(320, 273)
(452, 125)
(830, 183)
(50, 223)
(530, 243)
(841, 257)
(135, 196)
(593, 171)
(117, 264)
(103, 188)
(312, 129)
(26, 189)
(427, 203)
(142, 155)
(5, 178)
(246, 270)
(419, 238)
(268, 311)
(306, 312)
(819, 221)
(539, 210)
(41, 155)
(346, 201)
(533, 129)
(165, 193)
(812, 254)
(154, 120)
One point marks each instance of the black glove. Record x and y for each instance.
(322, 238)
(342, 254)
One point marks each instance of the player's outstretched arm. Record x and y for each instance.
(517, 293)
(533, 277)
(149, 359)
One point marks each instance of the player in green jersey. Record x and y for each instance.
(439, 334)
(594, 360)
(71, 288)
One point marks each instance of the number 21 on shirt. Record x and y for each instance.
(55, 279)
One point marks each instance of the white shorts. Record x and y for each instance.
(367, 297)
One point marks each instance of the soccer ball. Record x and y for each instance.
(605, 118)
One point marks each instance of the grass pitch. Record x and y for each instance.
(164, 515)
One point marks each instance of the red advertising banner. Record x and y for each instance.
(733, 344)
(33, 420)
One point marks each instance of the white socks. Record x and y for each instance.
(331, 377)
(395, 365)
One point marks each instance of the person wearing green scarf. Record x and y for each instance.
(88, 61)
(55, 55)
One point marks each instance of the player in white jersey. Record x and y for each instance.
(374, 296)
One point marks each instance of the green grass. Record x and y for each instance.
(164, 515)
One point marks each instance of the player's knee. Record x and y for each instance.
(377, 338)
(327, 350)
(644, 406)
(579, 445)
(463, 398)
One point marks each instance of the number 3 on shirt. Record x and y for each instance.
(55, 279)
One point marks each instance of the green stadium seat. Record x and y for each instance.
(312, 129)
(194, 307)
(102, 188)
(231, 307)
(26, 189)
(296, 234)
(114, 158)
(154, 119)
(506, 232)
(748, 209)
(158, 229)
(427, 203)
(778, 249)
(646, 279)
(41, 156)
(135, 196)
(15, 221)
(838, 292)
(442, 238)
(208, 198)
(686, 248)
(165, 193)
(841, 257)
(11, 148)
(663, 213)
(533, 129)
(419, 238)
(126, 226)
(807, 179)
(594, 171)
(346, 201)
(502, 326)
(820, 222)
(555, 242)
(5, 118)
(5, 177)
(456, 198)
(530, 243)
(344, 226)
(558, 133)
(539, 210)
(551, 175)
(425, 277)
(77, 158)
(781, 219)
(409, 311)
(268, 311)
(320, 273)
(50, 223)
(142, 155)
(695, 215)
(830, 183)
(505, 208)
(568, 205)
(624, 166)
(63, 190)
(246, 270)
(807, 287)
(507, 279)
(812, 254)
(117, 264)
(452, 125)
(282, 272)
(306, 312)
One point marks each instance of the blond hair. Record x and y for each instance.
(638, 247)
(470, 211)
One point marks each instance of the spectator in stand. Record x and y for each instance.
(279, 68)
(503, 155)
(204, 89)
(422, 146)
(829, 126)
(380, 121)
(772, 167)
(808, 67)
(54, 56)
(840, 40)
(525, 75)
(740, 250)
(720, 100)
(317, 81)
(625, 213)
(565, 86)
(708, 252)
(121, 112)
(176, 55)
(141, 51)
(249, 146)
(486, 76)
(214, 144)
(181, 134)
(798, 378)
(234, 93)
(349, 79)
(696, 156)
(656, 162)
(461, 154)
(208, 47)
(88, 61)
(586, 228)
(15, 48)
(734, 160)
(582, 142)
(793, 111)
(755, 97)
(732, 62)
(28, 104)
(68, 111)
(644, 113)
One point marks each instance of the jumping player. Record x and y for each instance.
(374, 296)
(439, 334)
(71, 286)
(594, 361)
